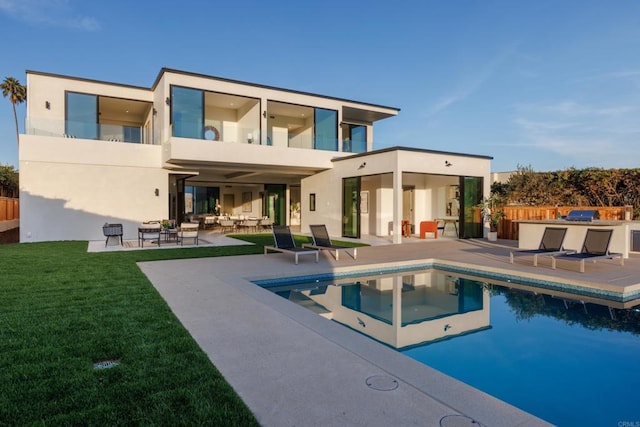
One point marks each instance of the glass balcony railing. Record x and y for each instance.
(216, 130)
(81, 130)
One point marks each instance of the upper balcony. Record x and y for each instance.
(83, 130)
(97, 118)
(215, 116)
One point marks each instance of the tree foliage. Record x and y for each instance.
(572, 187)
(17, 94)
(8, 181)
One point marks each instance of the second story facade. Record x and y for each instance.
(187, 146)
(198, 118)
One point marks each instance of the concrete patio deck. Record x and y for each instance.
(293, 367)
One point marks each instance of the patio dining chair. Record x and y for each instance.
(188, 231)
(112, 230)
(150, 231)
(248, 225)
(227, 225)
(266, 223)
(210, 221)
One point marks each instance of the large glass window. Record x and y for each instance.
(82, 116)
(326, 130)
(187, 112)
(106, 118)
(201, 200)
(354, 138)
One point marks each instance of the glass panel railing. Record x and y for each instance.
(83, 130)
(216, 130)
(304, 140)
(281, 137)
(351, 146)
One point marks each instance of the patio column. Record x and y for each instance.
(397, 206)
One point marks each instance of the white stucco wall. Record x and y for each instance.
(45, 89)
(376, 169)
(70, 188)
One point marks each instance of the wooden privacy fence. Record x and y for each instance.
(9, 209)
(508, 228)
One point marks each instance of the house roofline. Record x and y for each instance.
(413, 149)
(188, 73)
(222, 79)
(83, 79)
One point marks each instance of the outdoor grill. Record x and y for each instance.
(583, 215)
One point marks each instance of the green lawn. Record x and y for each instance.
(63, 309)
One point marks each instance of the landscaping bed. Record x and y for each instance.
(10, 236)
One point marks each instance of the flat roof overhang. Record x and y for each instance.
(239, 162)
(366, 115)
(240, 172)
(411, 149)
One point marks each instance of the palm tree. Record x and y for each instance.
(17, 94)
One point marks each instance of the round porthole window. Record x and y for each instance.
(211, 133)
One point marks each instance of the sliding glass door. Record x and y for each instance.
(351, 207)
(470, 213)
(275, 203)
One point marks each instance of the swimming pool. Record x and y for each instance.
(565, 358)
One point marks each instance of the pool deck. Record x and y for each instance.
(293, 367)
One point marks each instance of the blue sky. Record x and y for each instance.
(551, 84)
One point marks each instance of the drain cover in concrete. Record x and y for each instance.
(382, 383)
(458, 421)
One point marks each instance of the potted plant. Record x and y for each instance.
(491, 216)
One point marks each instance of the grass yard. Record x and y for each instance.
(63, 309)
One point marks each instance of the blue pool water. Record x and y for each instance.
(566, 360)
(558, 368)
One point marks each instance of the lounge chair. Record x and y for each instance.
(595, 246)
(550, 245)
(284, 243)
(322, 241)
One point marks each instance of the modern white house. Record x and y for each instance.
(96, 152)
